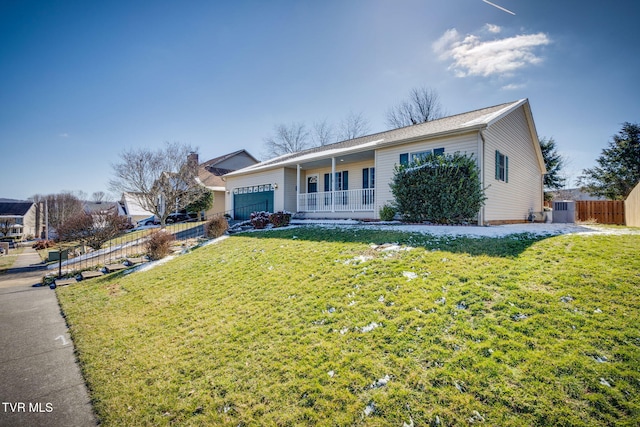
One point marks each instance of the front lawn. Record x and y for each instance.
(318, 327)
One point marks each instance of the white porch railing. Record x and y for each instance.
(337, 201)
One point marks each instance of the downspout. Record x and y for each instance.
(481, 142)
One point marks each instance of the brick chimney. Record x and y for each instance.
(192, 160)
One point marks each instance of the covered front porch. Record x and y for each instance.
(361, 200)
(343, 183)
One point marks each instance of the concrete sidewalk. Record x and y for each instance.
(41, 383)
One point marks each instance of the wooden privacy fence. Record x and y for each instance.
(603, 211)
(632, 208)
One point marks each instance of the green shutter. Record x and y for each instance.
(404, 159)
(506, 169)
(497, 164)
(345, 180)
(438, 151)
(326, 182)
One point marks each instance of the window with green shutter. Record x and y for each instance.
(502, 167)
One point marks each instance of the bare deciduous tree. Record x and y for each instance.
(289, 138)
(60, 207)
(98, 196)
(6, 224)
(422, 106)
(353, 126)
(296, 137)
(322, 134)
(93, 229)
(161, 181)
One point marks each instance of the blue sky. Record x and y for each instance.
(81, 81)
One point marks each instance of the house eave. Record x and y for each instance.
(448, 133)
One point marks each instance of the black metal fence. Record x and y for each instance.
(129, 247)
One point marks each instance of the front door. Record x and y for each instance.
(312, 187)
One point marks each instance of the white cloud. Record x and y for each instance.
(495, 29)
(512, 86)
(64, 135)
(473, 57)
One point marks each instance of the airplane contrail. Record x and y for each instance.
(499, 7)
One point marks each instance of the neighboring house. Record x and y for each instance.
(573, 194)
(350, 179)
(22, 218)
(210, 174)
(130, 207)
(100, 208)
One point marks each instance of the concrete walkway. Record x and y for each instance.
(41, 383)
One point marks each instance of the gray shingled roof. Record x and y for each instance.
(14, 208)
(471, 120)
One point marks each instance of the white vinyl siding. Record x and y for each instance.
(289, 189)
(276, 176)
(511, 201)
(387, 158)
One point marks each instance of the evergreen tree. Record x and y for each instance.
(618, 170)
(553, 162)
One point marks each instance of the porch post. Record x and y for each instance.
(332, 184)
(298, 188)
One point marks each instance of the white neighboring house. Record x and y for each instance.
(22, 217)
(130, 207)
(350, 179)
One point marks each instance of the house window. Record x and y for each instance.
(368, 184)
(419, 155)
(368, 178)
(405, 158)
(340, 182)
(502, 167)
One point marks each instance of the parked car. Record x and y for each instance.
(152, 220)
(177, 217)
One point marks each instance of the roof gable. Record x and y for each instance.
(224, 158)
(210, 172)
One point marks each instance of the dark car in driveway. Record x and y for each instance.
(177, 217)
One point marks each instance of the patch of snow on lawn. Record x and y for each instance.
(370, 327)
(149, 265)
(539, 229)
(410, 275)
(381, 382)
(358, 259)
(369, 409)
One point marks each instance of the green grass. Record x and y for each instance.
(7, 260)
(271, 329)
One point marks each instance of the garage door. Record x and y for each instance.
(252, 199)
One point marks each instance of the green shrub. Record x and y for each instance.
(216, 227)
(387, 212)
(159, 244)
(443, 189)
